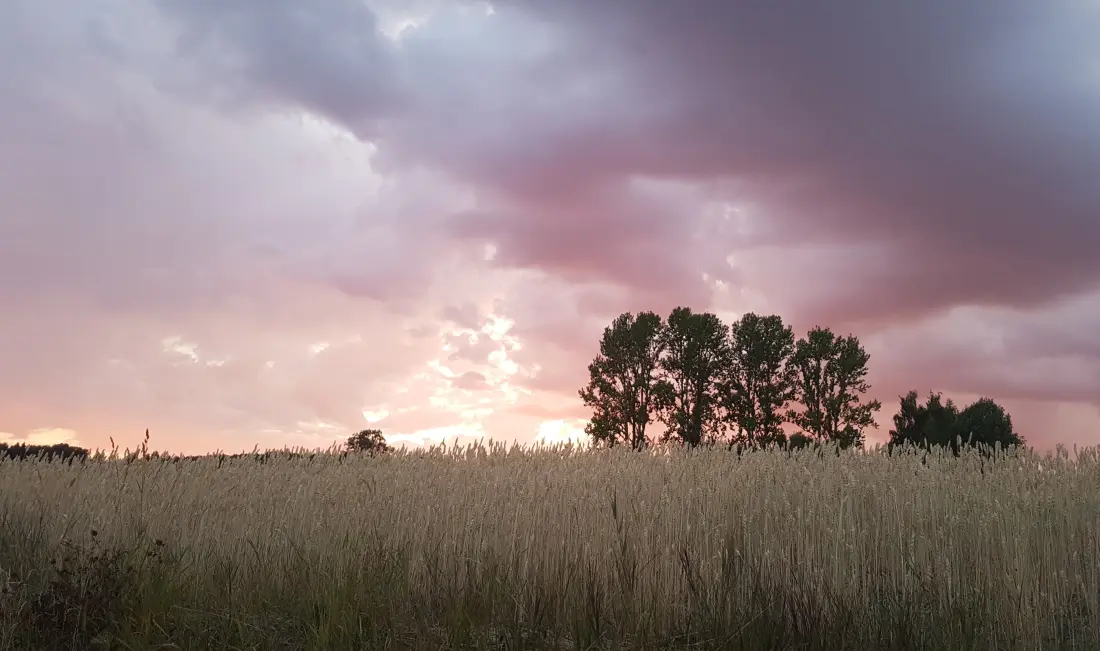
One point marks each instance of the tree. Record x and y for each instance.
(939, 423)
(758, 383)
(622, 386)
(696, 350)
(830, 379)
(368, 440)
(984, 422)
(933, 423)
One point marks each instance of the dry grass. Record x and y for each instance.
(523, 549)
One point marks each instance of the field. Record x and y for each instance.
(494, 548)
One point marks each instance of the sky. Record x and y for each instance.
(272, 223)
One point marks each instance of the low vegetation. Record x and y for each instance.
(554, 548)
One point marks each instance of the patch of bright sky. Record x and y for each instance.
(176, 346)
(471, 410)
(313, 435)
(394, 25)
(375, 416)
(327, 131)
(318, 347)
(395, 22)
(460, 434)
(552, 432)
(42, 436)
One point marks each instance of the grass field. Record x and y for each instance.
(483, 548)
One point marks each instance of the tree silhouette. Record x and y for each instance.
(940, 423)
(59, 451)
(701, 378)
(696, 352)
(933, 423)
(830, 379)
(758, 384)
(622, 386)
(368, 440)
(984, 422)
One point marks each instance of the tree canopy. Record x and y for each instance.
(759, 383)
(696, 353)
(622, 387)
(751, 383)
(830, 376)
(939, 423)
(709, 383)
(368, 440)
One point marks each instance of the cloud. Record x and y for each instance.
(41, 436)
(836, 126)
(456, 200)
(471, 381)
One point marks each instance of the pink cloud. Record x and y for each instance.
(250, 222)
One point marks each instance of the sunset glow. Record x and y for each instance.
(276, 224)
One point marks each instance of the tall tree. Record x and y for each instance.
(758, 382)
(933, 423)
(622, 384)
(696, 350)
(830, 380)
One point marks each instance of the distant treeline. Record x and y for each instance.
(65, 452)
(57, 451)
(259, 457)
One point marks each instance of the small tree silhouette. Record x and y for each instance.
(368, 440)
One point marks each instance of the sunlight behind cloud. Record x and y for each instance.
(562, 431)
(375, 416)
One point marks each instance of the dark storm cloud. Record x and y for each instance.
(880, 161)
(962, 137)
(328, 55)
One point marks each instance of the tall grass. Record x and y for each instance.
(508, 548)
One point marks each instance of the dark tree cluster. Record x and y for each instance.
(269, 456)
(57, 451)
(983, 422)
(741, 384)
(749, 383)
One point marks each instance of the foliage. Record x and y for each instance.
(369, 440)
(622, 387)
(703, 380)
(984, 422)
(940, 423)
(60, 451)
(830, 378)
(696, 353)
(758, 383)
(933, 423)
